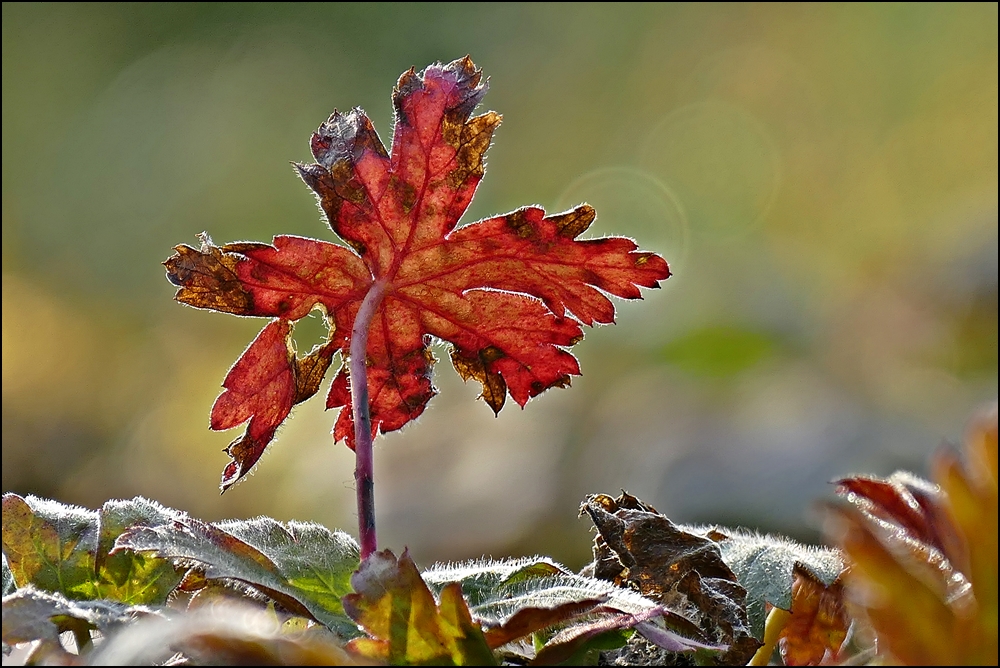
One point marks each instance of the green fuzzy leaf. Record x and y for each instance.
(50, 545)
(303, 566)
(496, 590)
(480, 579)
(515, 598)
(765, 566)
(317, 562)
(128, 576)
(63, 548)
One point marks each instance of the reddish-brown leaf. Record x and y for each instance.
(637, 547)
(526, 621)
(909, 502)
(509, 293)
(263, 385)
(927, 580)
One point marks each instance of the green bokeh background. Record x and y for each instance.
(822, 179)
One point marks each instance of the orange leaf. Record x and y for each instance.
(818, 624)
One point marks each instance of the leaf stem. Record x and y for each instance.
(364, 464)
(775, 624)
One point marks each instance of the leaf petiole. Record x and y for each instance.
(775, 624)
(364, 465)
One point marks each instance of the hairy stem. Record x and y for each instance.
(364, 466)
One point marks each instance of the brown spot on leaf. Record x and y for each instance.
(207, 279)
(244, 247)
(471, 139)
(310, 370)
(346, 185)
(494, 388)
(519, 223)
(406, 193)
(572, 224)
(642, 258)
(490, 354)
(408, 83)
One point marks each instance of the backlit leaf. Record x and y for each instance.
(405, 624)
(8, 578)
(50, 545)
(32, 614)
(818, 625)
(65, 549)
(125, 575)
(301, 565)
(515, 598)
(508, 293)
(498, 589)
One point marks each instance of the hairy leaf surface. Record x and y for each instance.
(33, 614)
(513, 598)
(302, 565)
(767, 567)
(8, 578)
(498, 590)
(508, 293)
(65, 549)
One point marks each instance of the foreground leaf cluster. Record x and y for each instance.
(914, 581)
(147, 580)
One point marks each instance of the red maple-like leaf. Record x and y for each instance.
(508, 293)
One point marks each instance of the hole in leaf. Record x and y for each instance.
(310, 331)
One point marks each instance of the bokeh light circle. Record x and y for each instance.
(633, 203)
(720, 162)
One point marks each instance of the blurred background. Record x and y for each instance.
(822, 180)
